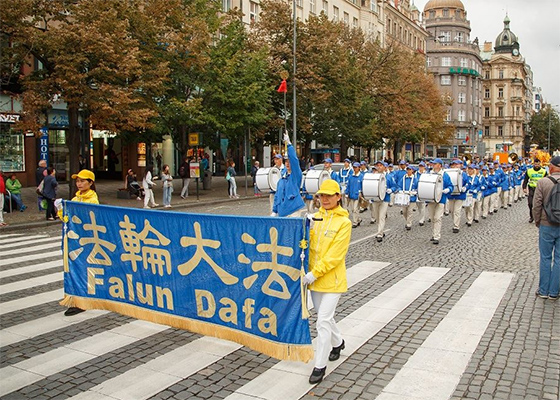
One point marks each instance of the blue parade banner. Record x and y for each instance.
(232, 277)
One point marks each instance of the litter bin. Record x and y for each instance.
(207, 180)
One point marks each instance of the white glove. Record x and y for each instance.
(287, 138)
(445, 191)
(413, 192)
(464, 189)
(483, 188)
(58, 204)
(475, 191)
(273, 214)
(389, 191)
(308, 279)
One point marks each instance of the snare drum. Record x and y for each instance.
(456, 176)
(430, 187)
(468, 202)
(267, 179)
(314, 178)
(402, 199)
(374, 186)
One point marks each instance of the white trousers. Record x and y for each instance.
(379, 212)
(185, 189)
(455, 208)
(486, 205)
(149, 197)
(504, 198)
(271, 200)
(421, 211)
(328, 335)
(477, 209)
(353, 209)
(407, 214)
(435, 212)
(494, 201)
(1, 207)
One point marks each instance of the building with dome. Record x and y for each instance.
(455, 62)
(508, 95)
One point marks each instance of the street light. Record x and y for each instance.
(550, 109)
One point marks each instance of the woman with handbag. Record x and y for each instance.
(230, 176)
(167, 180)
(148, 184)
(49, 193)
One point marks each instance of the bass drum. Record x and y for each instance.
(314, 178)
(456, 176)
(430, 188)
(267, 179)
(374, 186)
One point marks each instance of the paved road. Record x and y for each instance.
(459, 320)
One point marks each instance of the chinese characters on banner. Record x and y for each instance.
(233, 277)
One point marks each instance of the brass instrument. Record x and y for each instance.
(468, 157)
(513, 157)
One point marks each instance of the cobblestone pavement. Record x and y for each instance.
(516, 357)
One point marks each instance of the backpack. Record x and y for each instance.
(182, 171)
(552, 206)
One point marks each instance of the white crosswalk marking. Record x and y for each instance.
(31, 257)
(449, 347)
(12, 236)
(289, 380)
(19, 375)
(31, 268)
(17, 241)
(30, 249)
(31, 282)
(31, 301)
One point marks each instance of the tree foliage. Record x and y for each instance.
(543, 122)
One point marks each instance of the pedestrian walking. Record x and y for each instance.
(2, 192)
(326, 279)
(49, 193)
(230, 177)
(40, 174)
(549, 233)
(85, 182)
(254, 170)
(167, 180)
(148, 183)
(14, 186)
(185, 174)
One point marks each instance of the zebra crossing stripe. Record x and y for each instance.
(180, 363)
(30, 268)
(435, 369)
(26, 241)
(13, 236)
(30, 249)
(289, 380)
(31, 282)
(40, 326)
(24, 373)
(31, 257)
(31, 301)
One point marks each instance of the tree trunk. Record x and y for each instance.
(343, 148)
(73, 143)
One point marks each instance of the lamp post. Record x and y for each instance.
(294, 124)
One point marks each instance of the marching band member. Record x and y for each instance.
(486, 187)
(473, 183)
(518, 179)
(499, 177)
(505, 186)
(328, 167)
(391, 171)
(344, 174)
(494, 183)
(421, 204)
(408, 184)
(287, 200)
(353, 192)
(478, 197)
(278, 163)
(399, 173)
(379, 208)
(435, 210)
(455, 201)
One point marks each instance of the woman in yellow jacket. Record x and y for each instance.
(85, 182)
(329, 241)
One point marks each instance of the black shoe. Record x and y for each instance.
(531, 220)
(379, 239)
(335, 352)
(446, 213)
(371, 222)
(407, 228)
(469, 224)
(435, 241)
(421, 223)
(483, 217)
(475, 220)
(432, 239)
(73, 311)
(455, 230)
(317, 375)
(490, 212)
(355, 226)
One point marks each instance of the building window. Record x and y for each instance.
(486, 131)
(500, 130)
(486, 93)
(299, 3)
(462, 97)
(448, 115)
(460, 37)
(226, 5)
(486, 74)
(445, 80)
(254, 11)
(446, 61)
(486, 112)
(355, 23)
(464, 62)
(12, 154)
(517, 111)
(428, 62)
(325, 7)
(446, 36)
(373, 5)
(336, 13)
(446, 12)
(500, 111)
(312, 7)
(517, 131)
(501, 74)
(462, 80)
(461, 116)
(500, 93)
(432, 13)
(347, 19)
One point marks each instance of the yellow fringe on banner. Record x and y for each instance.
(280, 351)
(65, 252)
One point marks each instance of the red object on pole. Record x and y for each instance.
(283, 87)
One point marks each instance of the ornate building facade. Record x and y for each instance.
(508, 95)
(455, 62)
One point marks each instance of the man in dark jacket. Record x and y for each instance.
(549, 235)
(185, 174)
(40, 174)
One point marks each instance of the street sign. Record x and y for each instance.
(193, 139)
(195, 170)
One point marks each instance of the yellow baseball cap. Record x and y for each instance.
(329, 187)
(84, 174)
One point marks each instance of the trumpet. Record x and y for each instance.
(513, 157)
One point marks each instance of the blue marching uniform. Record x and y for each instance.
(287, 199)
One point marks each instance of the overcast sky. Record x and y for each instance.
(537, 26)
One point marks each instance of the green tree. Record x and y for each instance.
(543, 122)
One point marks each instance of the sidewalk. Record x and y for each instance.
(107, 193)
